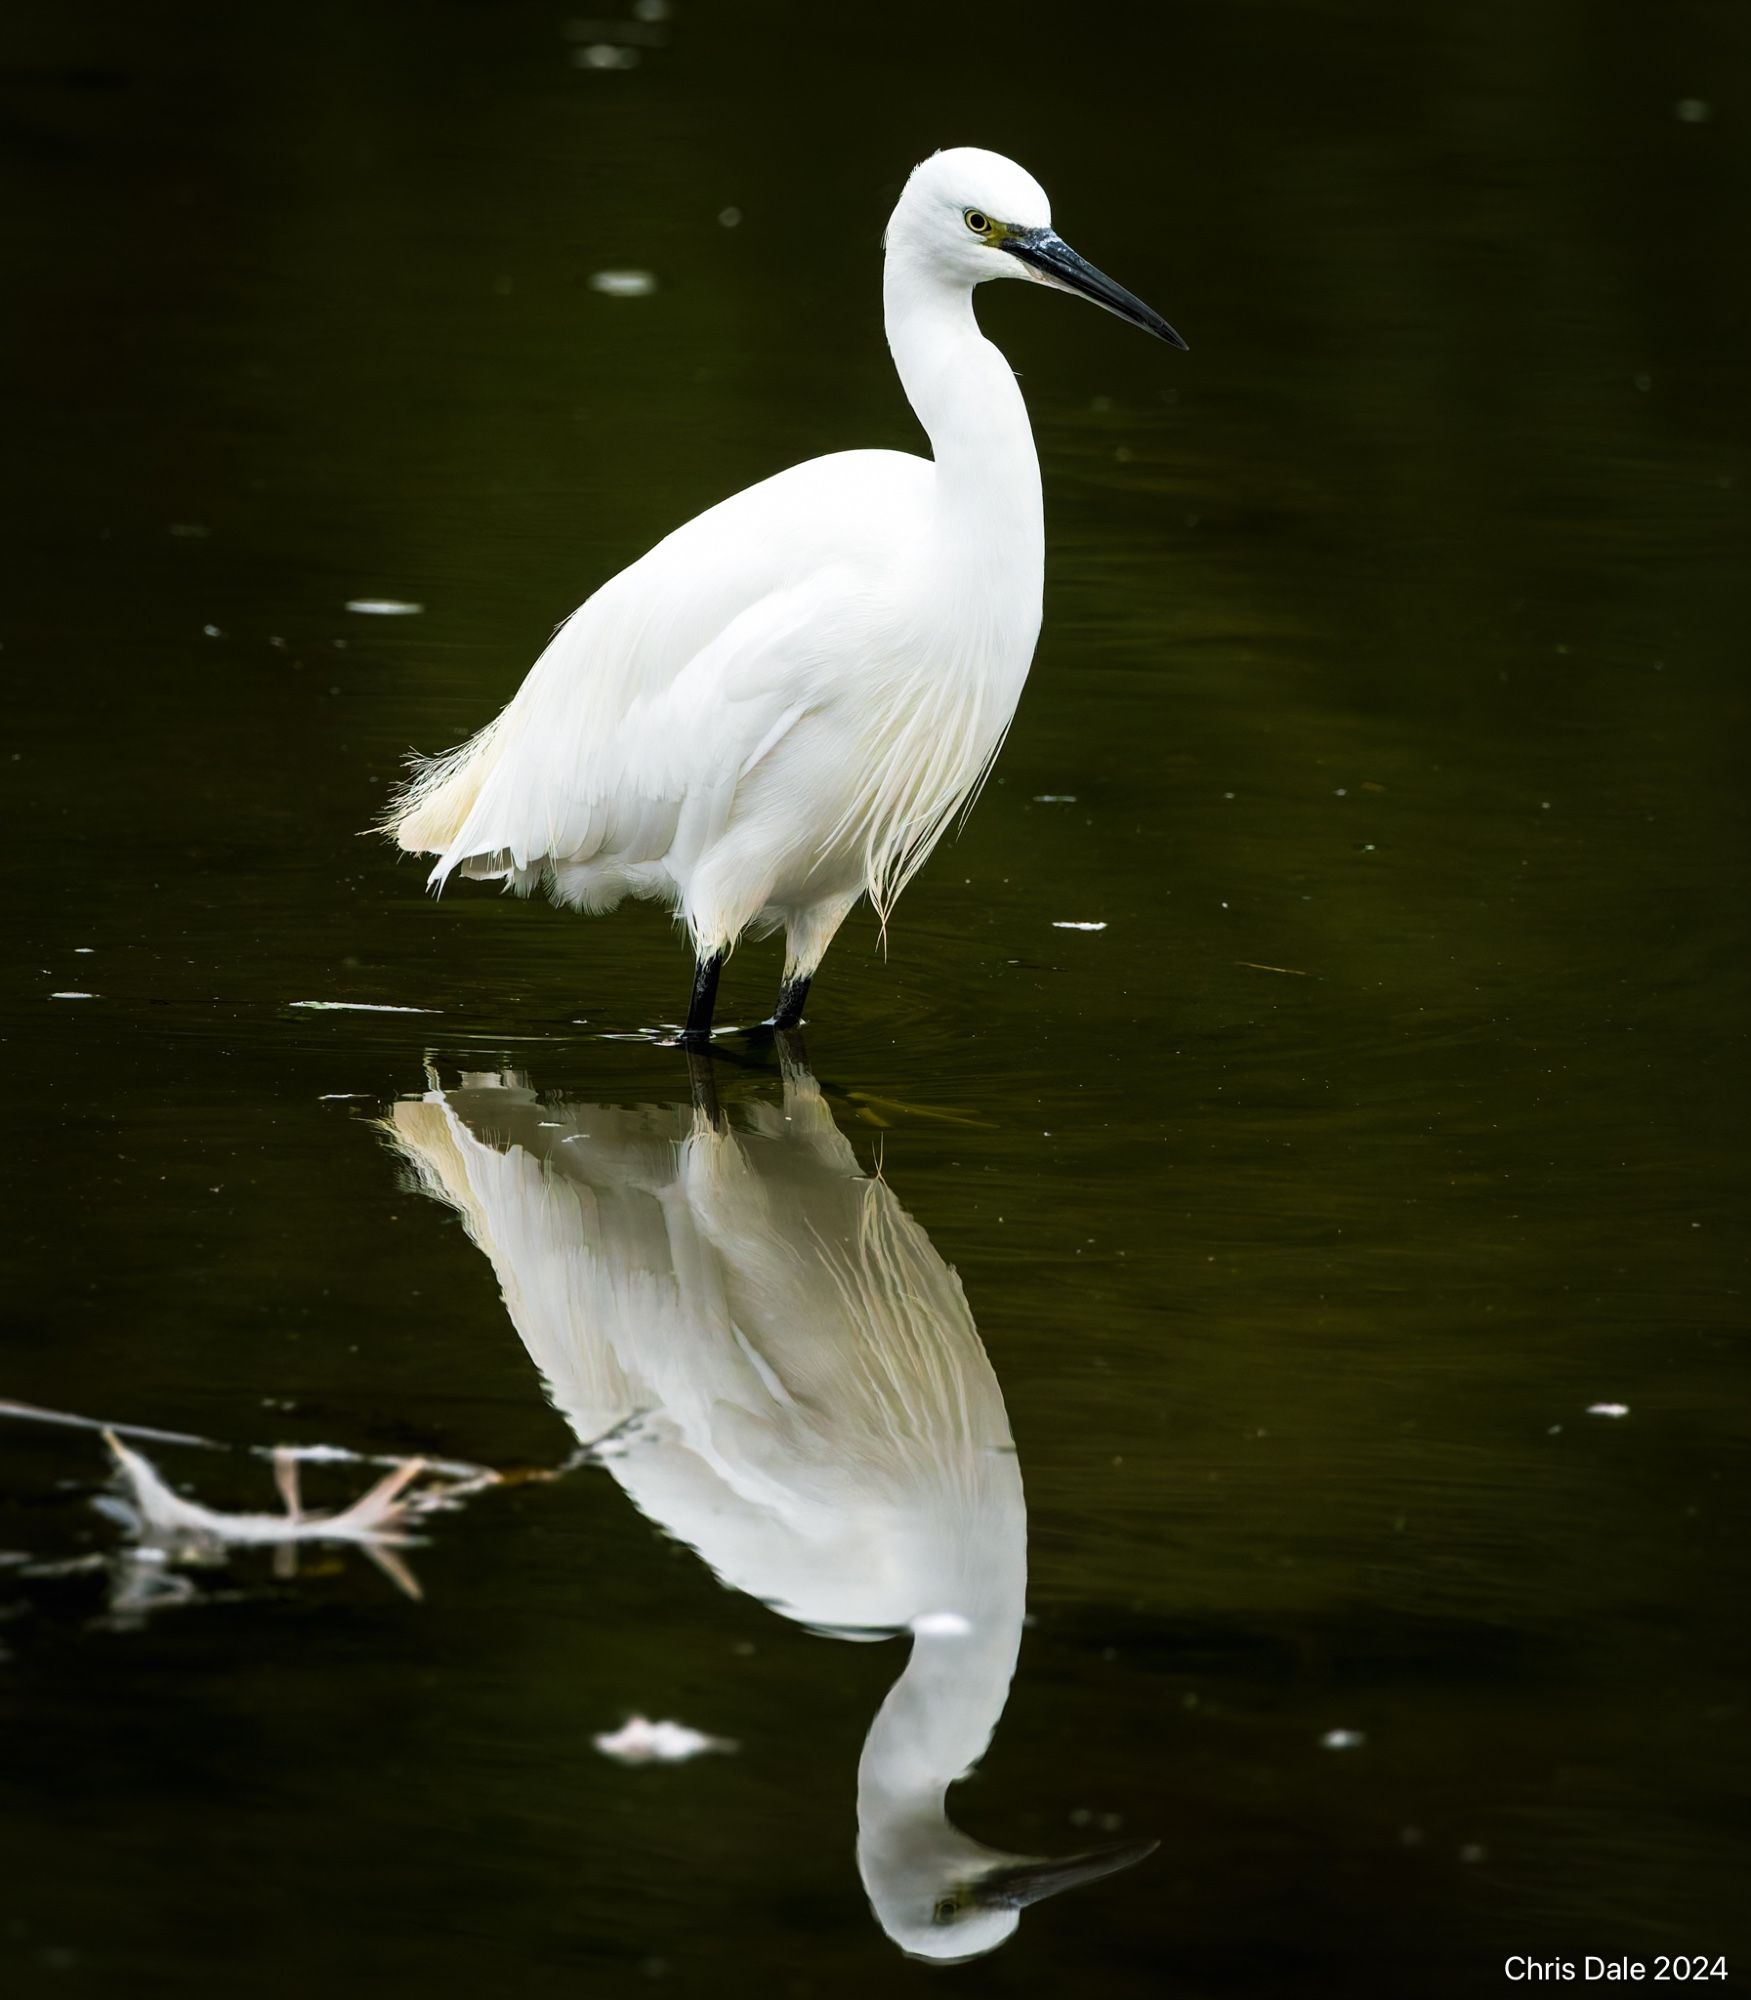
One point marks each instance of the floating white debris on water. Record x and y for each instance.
(341, 1096)
(1693, 111)
(1069, 924)
(1608, 1409)
(83, 950)
(1342, 1739)
(1054, 798)
(72, 996)
(604, 55)
(623, 284)
(644, 1742)
(212, 631)
(383, 607)
(730, 217)
(359, 1007)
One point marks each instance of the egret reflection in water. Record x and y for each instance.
(795, 1388)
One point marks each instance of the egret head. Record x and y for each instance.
(970, 215)
(958, 1900)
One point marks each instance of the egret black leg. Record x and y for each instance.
(700, 1007)
(791, 996)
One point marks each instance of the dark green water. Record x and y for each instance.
(1390, 714)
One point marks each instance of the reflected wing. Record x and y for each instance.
(815, 1412)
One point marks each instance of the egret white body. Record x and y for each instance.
(780, 708)
(792, 1384)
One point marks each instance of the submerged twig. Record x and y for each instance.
(377, 1522)
(309, 1454)
(165, 1529)
(32, 1413)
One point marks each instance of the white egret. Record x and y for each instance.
(794, 1387)
(780, 707)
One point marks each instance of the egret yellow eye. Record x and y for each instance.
(976, 222)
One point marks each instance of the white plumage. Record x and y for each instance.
(780, 707)
(793, 1385)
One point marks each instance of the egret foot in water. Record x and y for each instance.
(704, 1001)
(792, 995)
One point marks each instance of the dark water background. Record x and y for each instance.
(1395, 660)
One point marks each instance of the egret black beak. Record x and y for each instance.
(1015, 1884)
(1045, 252)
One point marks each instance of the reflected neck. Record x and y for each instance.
(938, 1717)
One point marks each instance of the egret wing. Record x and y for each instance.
(633, 727)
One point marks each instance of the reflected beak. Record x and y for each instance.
(1013, 1885)
(1050, 259)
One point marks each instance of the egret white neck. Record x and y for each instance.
(966, 396)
